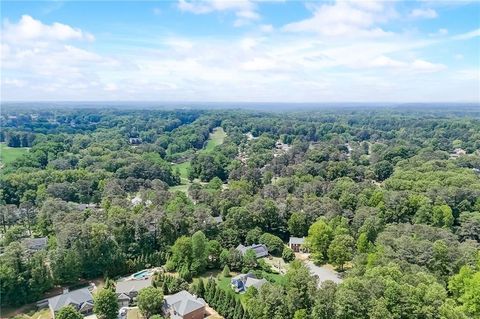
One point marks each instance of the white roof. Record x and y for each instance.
(297, 240)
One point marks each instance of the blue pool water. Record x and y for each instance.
(140, 274)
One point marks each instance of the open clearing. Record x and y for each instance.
(10, 154)
(216, 138)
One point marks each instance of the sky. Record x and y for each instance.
(245, 50)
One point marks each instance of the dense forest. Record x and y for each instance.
(389, 196)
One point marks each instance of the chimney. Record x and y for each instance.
(65, 291)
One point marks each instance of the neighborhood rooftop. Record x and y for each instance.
(184, 303)
(132, 285)
(297, 240)
(75, 297)
(259, 249)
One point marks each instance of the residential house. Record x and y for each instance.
(259, 249)
(457, 152)
(242, 282)
(35, 244)
(184, 305)
(135, 140)
(127, 291)
(80, 299)
(296, 244)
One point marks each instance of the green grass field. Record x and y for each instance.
(216, 138)
(183, 168)
(10, 154)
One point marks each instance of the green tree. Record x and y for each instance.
(199, 253)
(150, 301)
(68, 312)
(226, 271)
(320, 235)
(105, 304)
(288, 255)
(298, 224)
(250, 259)
(273, 243)
(341, 250)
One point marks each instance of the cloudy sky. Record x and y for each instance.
(268, 51)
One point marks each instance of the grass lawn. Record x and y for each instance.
(40, 314)
(183, 169)
(10, 154)
(216, 138)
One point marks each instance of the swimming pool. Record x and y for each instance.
(141, 274)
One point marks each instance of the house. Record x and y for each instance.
(296, 244)
(127, 291)
(458, 152)
(242, 282)
(135, 140)
(254, 282)
(217, 219)
(184, 305)
(259, 249)
(35, 244)
(80, 299)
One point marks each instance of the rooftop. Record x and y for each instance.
(76, 297)
(132, 285)
(184, 302)
(259, 249)
(297, 240)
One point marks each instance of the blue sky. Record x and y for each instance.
(265, 51)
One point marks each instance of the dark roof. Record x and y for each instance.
(76, 297)
(259, 249)
(35, 243)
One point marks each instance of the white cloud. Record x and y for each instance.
(255, 66)
(245, 10)
(423, 13)
(30, 29)
(266, 28)
(346, 18)
(468, 35)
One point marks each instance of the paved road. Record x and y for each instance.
(323, 273)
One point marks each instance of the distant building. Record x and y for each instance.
(296, 244)
(184, 305)
(137, 200)
(457, 152)
(217, 219)
(135, 140)
(259, 249)
(127, 291)
(35, 244)
(80, 299)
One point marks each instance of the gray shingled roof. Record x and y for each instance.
(35, 243)
(259, 249)
(184, 303)
(132, 285)
(297, 240)
(76, 297)
(254, 282)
